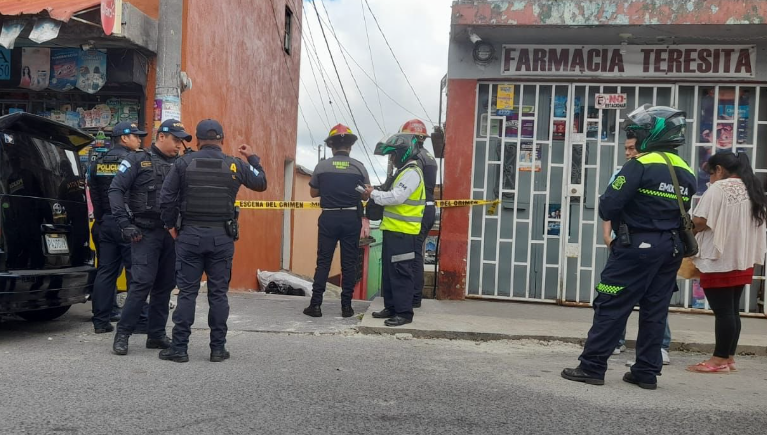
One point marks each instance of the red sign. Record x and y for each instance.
(108, 14)
(610, 101)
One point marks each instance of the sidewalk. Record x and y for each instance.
(489, 320)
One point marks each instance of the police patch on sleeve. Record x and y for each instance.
(124, 166)
(619, 182)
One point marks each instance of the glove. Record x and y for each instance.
(131, 234)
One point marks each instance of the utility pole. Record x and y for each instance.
(171, 82)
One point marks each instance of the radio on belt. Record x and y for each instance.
(360, 189)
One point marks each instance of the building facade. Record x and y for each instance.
(537, 93)
(242, 57)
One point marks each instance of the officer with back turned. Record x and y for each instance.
(153, 253)
(114, 253)
(644, 210)
(334, 180)
(201, 187)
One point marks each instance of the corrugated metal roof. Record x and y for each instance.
(61, 10)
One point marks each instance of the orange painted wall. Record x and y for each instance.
(149, 7)
(232, 50)
(459, 145)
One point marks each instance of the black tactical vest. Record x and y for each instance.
(145, 192)
(210, 190)
(429, 167)
(107, 166)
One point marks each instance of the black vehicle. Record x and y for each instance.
(46, 263)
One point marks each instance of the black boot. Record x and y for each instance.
(170, 354)
(103, 329)
(120, 346)
(383, 314)
(629, 377)
(313, 311)
(218, 355)
(347, 311)
(158, 343)
(578, 375)
(397, 321)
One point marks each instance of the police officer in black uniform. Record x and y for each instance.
(334, 180)
(114, 253)
(202, 187)
(428, 165)
(642, 206)
(153, 252)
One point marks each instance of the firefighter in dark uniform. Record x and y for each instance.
(334, 180)
(428, 165)
(403, 207)
(642, 206)
(153, 253)
(201, 187)
(114, 253)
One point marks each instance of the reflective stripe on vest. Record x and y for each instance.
(655, 158)
(406, 217)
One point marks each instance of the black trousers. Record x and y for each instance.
(426, 224)
(397, 280)
(153, 268)
(725, 302)
(113, 255)
(343, 227)
(202, 250)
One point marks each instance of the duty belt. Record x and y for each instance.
(148, 222)
(340, 209)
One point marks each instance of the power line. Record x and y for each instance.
(311, 100)
(372, 63)
(343, 91)
(397, 60)
(320, 67)
(314, 74)
(364, 101)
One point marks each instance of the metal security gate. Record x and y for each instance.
(547, 153)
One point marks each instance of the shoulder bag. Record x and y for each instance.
(685, 232)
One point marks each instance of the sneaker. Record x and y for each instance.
(617, 351)
(665, 357)
(622, 347)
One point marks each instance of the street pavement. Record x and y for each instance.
(293, 375)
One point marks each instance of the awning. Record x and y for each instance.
(61, 10)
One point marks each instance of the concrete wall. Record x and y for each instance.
(149, 7)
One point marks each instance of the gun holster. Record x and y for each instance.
(233, 226)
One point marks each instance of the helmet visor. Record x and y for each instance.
(395, 142)
(641, 117)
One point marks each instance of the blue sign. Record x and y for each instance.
(5, 64)
(503, 112)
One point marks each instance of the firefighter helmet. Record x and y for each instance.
(415, 127)
(340, 135)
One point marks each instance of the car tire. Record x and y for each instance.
(44, 315)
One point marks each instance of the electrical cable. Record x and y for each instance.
(317, 83)
(309, 49)
(372, 62)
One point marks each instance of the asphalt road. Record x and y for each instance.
(59, 377)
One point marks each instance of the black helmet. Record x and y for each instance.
(401, 146)
(656, 127)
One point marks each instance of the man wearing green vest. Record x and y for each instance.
(404, 200)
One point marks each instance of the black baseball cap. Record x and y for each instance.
(210, 129)
(176, 128)
(123, 128)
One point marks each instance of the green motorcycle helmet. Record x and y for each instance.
(656, 127)
(401, 148)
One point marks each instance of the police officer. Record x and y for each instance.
(404, 203)
(428, 165)
(642, 205)
(153, 253)
(202, 187)
(114, 253)
(334, 180)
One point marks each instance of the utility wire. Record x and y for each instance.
(397, 60)
(331, 94)
(321, 68)
(311, 100)
(372, 63)
(327, 43)
(317, 83)
(364, 101)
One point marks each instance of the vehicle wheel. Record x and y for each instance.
(44, 315)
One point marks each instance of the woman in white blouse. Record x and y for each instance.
(730, 230)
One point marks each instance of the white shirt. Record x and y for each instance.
(406, 185)
(733, 240)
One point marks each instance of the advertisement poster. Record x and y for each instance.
(512, 126)
(5, 64)
(35, 68)
(505, 97)
(528, 163)
(91, 71)
(64, 69)
(555, 212)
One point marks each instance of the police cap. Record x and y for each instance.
(210, 129)
(176, 128)
(125, 128)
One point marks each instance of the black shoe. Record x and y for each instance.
(103, 329)
(416, 305)
(397, 321)
(170, 354)
(347, 311)
(158, 343)
(313, 311)
(578, 375)
(140, 330)
(629, 377)
(218, 355)
(384, 314)
(120, 346)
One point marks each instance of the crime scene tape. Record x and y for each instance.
(302, 205)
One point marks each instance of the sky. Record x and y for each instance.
(418, 33)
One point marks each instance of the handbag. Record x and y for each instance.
(688, 270)
(685, 231)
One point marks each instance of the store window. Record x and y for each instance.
(288, 30)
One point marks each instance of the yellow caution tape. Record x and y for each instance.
(301, 205)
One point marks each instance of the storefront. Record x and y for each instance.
(545, 137)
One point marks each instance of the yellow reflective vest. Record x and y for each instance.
(406, 217)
